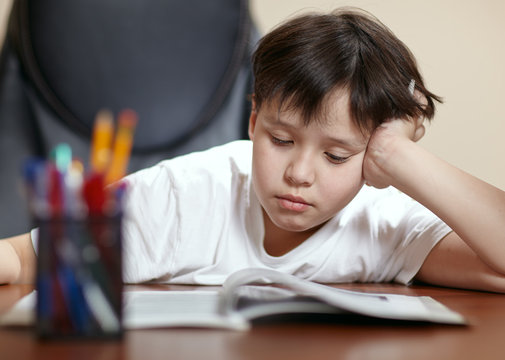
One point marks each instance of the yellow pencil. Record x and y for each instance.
(127, 120)
(101, 141)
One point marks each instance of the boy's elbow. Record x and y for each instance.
(9, 277)
(10, 264)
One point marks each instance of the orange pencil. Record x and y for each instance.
(101, 141)
(127, 120)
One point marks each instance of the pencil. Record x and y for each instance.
(127, 120)
(101, 141)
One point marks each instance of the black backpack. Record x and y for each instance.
(183, 66)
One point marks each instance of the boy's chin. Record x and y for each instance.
(297, 227)
(291, 223)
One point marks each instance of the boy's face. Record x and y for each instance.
(304, 175)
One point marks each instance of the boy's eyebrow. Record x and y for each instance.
(348, 143)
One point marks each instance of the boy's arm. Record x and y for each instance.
(17, 260)
(473, 256)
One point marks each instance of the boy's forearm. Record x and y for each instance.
(17, 260)
(473, 208)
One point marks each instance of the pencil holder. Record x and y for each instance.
(78, 214)
(79, 282)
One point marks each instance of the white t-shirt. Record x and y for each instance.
(195, 219)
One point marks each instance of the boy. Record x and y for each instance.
(332, 110)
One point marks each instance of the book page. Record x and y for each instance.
(388, 306)
(152, 309)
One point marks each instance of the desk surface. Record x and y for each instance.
(484, 338)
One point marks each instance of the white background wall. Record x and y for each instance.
(460, 47)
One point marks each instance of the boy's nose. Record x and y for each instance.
(301, 171)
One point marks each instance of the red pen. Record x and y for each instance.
(94, 193)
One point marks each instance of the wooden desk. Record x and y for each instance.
(483, 339)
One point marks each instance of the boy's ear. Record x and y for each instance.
(252, 119)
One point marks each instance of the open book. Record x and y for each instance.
(247, 295)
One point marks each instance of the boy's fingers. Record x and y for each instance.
(420, 98)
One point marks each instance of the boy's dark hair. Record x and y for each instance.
(304, 59)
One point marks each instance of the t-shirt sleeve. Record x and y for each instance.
(419, 250)
(150, 227)
(34, 235)
(177, 212)
(418, 231)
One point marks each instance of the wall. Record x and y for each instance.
(460, 49)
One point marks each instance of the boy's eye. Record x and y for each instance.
(278, 141)
(336, 159)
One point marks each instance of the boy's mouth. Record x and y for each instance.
(293, 203)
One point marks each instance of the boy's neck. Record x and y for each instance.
(278, 242)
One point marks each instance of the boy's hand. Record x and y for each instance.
(17, 260)
(10, 268)
(386, 145)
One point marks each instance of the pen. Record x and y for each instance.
(101, 141)
(55, 193)
(35, 176)
(62, 157)
(73, 180)
(127, 120)
(94, 193)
